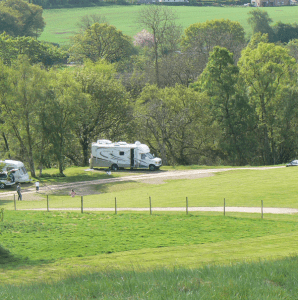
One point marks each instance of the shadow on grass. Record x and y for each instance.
(9, 261)
(3, 202)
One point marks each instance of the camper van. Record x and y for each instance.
(105, 154)
(17, 168)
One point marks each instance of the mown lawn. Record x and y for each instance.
(276, 187)
(61, 23)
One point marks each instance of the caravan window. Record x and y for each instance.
(121, 152)
(143, 156)
(150, 156)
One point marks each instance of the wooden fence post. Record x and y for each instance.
(150, 206)
(187, 205)
(262, 208)
(48, 208)
(14, 201)
(82, 204)
(2, 214)
(115, 206)
(224, 206)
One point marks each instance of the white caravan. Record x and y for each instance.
(17, 168)
(106, 154)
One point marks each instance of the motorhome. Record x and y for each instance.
(105, 154)
(18, 168)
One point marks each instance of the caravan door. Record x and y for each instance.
(132, 158)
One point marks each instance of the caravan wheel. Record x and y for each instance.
(115, 167)
(152, 168)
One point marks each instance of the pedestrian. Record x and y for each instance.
(72, 193)
(19, 192)
(37, 186)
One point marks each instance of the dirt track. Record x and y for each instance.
(85, 188)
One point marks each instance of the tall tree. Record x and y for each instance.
(27, 90)
(228, 106)
(260, 21)
(160, 21)
(269, 72)
(58, 114)
(200, 38)
(25, 18)
(101, 41)
(173, 121)
(104, 110)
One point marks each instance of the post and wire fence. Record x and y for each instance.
(25, 205)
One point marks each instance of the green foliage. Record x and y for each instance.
(101, 41)
(202, 37)
(260, 21)
(284, 33)
(268, 72)
(36, 51)
(20, 18)
(228, 106)
(171, 121)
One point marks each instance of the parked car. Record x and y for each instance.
(293, 163)
(7, 179)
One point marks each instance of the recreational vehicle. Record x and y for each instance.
(105, 154)
(17, 168)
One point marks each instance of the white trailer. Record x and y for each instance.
(17, 168)
(105, 154)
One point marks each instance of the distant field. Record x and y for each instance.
(61, 23)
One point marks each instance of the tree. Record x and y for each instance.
(144, 39)
(228, 105)
(58, 114)
(101, 41)
(88, 20)
(260, 21)
(23, 18)
(284, 33)
(36, 51)
(104, 111)
(160, 21)
(200, 38)
(26, 89)
(173, 121)
(269, 73)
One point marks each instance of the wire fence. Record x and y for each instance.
(78, 203)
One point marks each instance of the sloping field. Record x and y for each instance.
(61, 23)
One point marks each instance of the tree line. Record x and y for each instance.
(205, 95)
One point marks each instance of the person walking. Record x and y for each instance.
(37, 186)
(19, 192)
(72, 193)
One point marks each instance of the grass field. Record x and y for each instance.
(276, 187)
(61, 23)
(69, 255)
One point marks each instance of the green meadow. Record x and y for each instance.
(61, 23)
(166, 255)
(275, 187)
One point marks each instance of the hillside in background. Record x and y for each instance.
(61, 23)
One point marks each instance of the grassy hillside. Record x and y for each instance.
(61, 23)
(69, 255)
